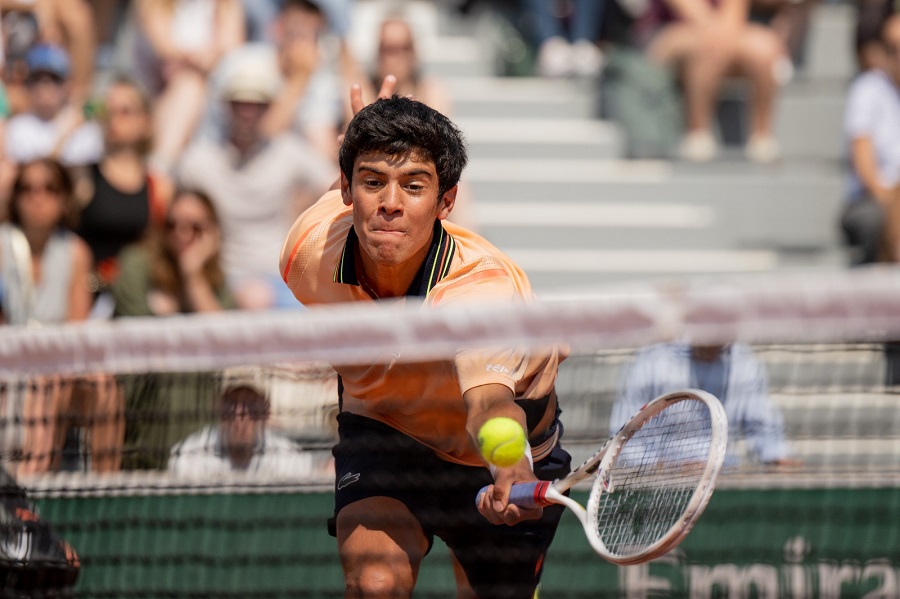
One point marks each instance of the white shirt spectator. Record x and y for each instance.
(201, 455)
(321, 105)
(29, 138)
(744, 393)
(873, 111)
(255, 199)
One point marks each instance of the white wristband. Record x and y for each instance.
(494, 469)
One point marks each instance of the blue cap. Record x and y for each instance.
(47, 58)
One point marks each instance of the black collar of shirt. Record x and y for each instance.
(433, 269)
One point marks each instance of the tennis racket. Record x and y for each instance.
(652, 481)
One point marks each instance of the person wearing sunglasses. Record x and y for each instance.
(121, 198)
(177, 270)
(44, 280)
(174, 270)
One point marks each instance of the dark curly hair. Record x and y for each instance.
(399, 126)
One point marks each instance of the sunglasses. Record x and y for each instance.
(45, 188)
(254, 413)
(42, 77)
(111, 111)
(195, 227)
(395, 49)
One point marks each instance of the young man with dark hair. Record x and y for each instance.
(407, 465)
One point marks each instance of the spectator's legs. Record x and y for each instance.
(703, 73)
(259, 16)
(47, 399)
(587, 61)
(108, 17)
(704, 63)
(102, 402)
(545, 22)
(759, 53)
(890, 241)
(554, 52)
(863, 223)
(791, 23)
(586, 22)
(178, 110)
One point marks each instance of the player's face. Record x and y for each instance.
(395, 203)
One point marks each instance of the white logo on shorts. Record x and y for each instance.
(347, 479)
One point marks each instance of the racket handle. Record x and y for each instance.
(525, 494)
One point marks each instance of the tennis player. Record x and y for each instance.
(407, 465)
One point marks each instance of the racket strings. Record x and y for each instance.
(653, 478)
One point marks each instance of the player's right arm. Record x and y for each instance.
(483, 403)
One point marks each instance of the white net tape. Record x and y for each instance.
(858, 306)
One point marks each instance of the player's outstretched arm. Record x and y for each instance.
(495, 401)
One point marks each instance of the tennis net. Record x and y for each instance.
(115, 431)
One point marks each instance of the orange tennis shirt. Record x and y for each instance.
(423, 400)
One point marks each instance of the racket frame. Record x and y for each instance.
(546, 493)
(699, 498)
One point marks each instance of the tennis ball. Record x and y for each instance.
(501, 441)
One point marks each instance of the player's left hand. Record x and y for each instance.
(356, 93)
(494, 503)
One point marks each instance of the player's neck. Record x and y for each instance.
(384, 284)
(386, 281)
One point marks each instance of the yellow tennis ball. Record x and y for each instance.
(501, 441)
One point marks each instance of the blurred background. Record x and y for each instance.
(603, 145)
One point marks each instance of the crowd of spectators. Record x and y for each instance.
(154, 153)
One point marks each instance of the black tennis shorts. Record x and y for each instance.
(375, 460)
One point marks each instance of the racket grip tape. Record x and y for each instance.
(525, 495)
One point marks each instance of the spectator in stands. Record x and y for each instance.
(308, 99)
(242, 441)
(790, 20)
(178, 270)
(398, 56)
(707, 41)
(261, 14)
(870, 51)
(44, 277)
(53, 126)
(562, 55)
(109, 18)
(179, 43)
(122, 201)
(731, 372)
(175, 270)
(871, 216)
(45, 265)
(258, 18)
(258, 184)
(64, 23)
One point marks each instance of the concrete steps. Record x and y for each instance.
(571, 222)
(550, 186)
